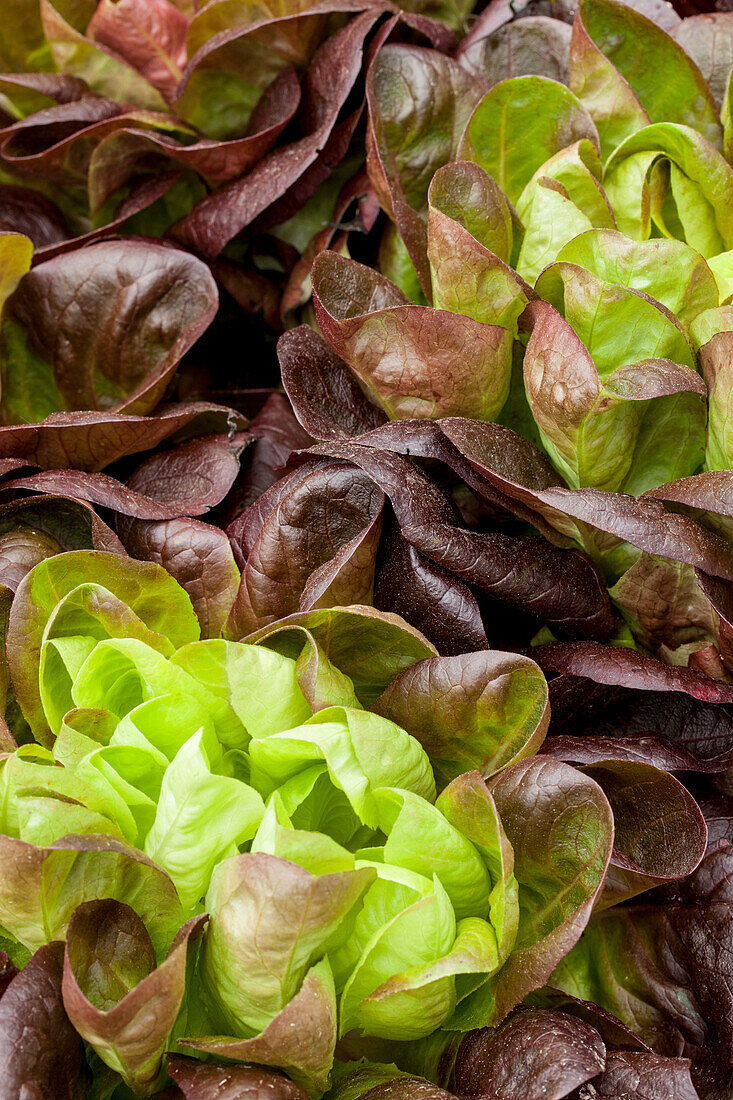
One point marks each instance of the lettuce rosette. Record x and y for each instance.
(257, 863)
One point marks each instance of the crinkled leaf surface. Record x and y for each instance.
(144, 587)
(40, 1052)
(75, 338)
(535, 1055)
(477, 711)
(219, 1081)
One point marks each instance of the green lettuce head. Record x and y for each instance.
(235, 815)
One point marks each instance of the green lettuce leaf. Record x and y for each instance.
(421, 839)
(626, 70)
(689, 203)
(146, 589)
(614, 431)
(260, 686)
(200, 819)
(519, 125)
(362, 752)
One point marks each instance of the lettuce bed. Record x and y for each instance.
(248, 858)
(366, 583)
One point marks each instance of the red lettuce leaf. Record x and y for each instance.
(557, 586)
(200, 558)
(645, 1077)
(149, 34)
(41, 1054)
(117, 998)
(218, 218)
(75, 326)
(621, 704)
(324, 393)
(440, 606)
(625, 668)
(659, 831)
(32, 214)
(317, 546)
(537, 1054)
(92, 440)
(477, 711)
(276, 435)
(677, 960)
(220, 1081)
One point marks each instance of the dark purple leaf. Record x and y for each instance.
(426, 439)
(707, 496)
(92, 440)
(719, 594)
(711, 881)
(717, 810)
(104, 327)
(247, 527)
(99, 489)
(217, 1081)
(254, 292)
(615, 1035)
(659, 831)
(668, 976)
(41, 1054)
(557, 586)
(535, 45)
(193, 476)
(708, 40)
(47, 143)
(437, 604)
(516, 468)
(323, 391)
(328, 520)
(32, 214)
(667, 728)
(537, 1054)
(32, 92)
(616, 666)
(127, 148)
(634, 1076)
(277, 434)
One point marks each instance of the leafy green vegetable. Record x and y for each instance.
(340, 896)
(247, 811)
